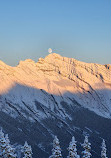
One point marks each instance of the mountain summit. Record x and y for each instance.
(55, 96)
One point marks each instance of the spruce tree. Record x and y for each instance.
(72, 149)
(9, 151)
(87, 147)
(103, 152)
(56, 151)
(6, 151)
(2, 144)
(27, 151)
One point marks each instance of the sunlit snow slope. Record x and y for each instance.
(50, 81)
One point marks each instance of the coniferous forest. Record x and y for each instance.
(9, 151)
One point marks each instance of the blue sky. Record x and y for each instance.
(80, 29)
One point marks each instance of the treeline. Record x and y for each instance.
(8, 151)
(86, 153)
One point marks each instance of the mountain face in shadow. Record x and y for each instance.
(56, 96)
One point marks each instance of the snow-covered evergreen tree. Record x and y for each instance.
(6, 151)
(9, 151)
(87, 147)
(2, 144)
(103, 152)
(72, 149)
(27, 151)
(56, 151)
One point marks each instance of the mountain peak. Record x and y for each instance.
(61, 76)
(55, 55)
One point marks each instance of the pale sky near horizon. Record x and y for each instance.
(77, 29)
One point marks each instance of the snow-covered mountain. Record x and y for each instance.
(54, 96)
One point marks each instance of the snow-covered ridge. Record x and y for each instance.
(63, 78)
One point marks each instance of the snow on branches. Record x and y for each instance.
(72, 149)
(87, 147)
(103, 152)
(56, 151)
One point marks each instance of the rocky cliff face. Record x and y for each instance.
(56, 90)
